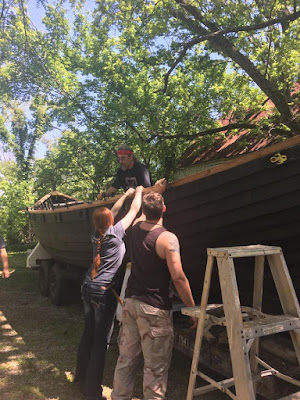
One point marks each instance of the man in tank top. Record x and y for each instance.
(147, 322)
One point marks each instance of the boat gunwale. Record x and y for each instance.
(243, 159)
(73, 207)
(226, 165)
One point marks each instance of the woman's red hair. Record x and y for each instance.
(102, 220)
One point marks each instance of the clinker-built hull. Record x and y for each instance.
(253, 199)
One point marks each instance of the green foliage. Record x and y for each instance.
(155, 75)
(15, 196)
(76, 166)
(103, 71)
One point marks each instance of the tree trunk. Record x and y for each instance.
(226, 47)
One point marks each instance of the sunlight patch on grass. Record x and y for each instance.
(14, 361)
(19, 362)
(5, 348)
(11, 367)
(10, 332)
(107, 391)
(69, 375)
(19, 340)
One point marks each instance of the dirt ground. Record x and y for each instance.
(38, 344)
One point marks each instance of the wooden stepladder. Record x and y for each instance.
(245, 325)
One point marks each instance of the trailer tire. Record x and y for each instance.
(44, 278)
(56, 285)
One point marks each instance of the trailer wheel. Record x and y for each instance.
(44, 278)
(56, 285)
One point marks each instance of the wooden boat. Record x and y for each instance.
(63, 227)
(252, 199)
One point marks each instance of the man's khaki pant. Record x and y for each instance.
(148, 330)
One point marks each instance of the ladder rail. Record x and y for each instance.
(287, 294)
(200, 327)
(257, 305)
(234, 326)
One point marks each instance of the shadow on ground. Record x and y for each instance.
(38, 346)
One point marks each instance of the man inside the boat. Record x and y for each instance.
(4, 259)
(147, 327)
(131, 173)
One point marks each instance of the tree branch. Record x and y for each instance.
(212, 35)
(207, 132)
(21, 5)
(135, 130)
(2, 10)
(225, 46)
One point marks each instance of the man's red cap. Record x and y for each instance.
(124, 152)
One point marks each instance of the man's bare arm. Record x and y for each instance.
(159, 187)
(169, 246)
(110, 191)
(4, 259)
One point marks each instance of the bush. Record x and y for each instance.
(20, 247)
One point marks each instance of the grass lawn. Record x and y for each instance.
(38, 345)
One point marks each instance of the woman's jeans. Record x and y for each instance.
(99, 313)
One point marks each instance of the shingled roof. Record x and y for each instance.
(235, 144)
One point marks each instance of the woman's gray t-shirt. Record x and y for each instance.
(112, 252)
(2, 243)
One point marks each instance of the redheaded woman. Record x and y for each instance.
(99, 301)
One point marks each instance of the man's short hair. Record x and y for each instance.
(152, 205)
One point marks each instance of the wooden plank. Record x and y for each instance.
(195, 311)
(244, 251)
(226, 383)
(257, 305)
(234, 326)
(247, 232)
(208, 219)
(234, 181)
(55, 194)
(93, 204)
(287, 294)
(200, 328)
(258, 282)
(221, 385)
(254, 201)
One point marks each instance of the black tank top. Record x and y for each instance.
(150, 278)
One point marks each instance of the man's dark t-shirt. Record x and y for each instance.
(138, 175)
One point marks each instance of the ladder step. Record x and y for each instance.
(270, 325)
(195, 311)
(294, 396)
(244, 251)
